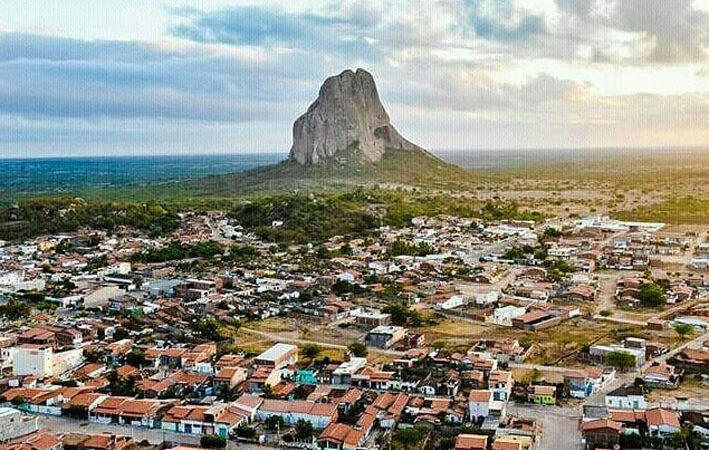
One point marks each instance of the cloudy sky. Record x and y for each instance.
(132, 77)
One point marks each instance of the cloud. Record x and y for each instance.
(484, 73)
(43, 76)
(675, 30)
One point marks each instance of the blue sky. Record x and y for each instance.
(135, 77)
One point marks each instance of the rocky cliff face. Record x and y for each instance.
(346, 117)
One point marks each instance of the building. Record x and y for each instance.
(479, 405)
(470, 442)
(41, 361)
(320, 415)
(279, 356)
(626, 397)
(661, 375)
(14, 425)
(344, 372)
(662, 422)
(371, 319)
(500, 384)
(601, 352)
(601, 433)
(542, 395)
(385, 336)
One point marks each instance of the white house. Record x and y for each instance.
(626, 397)
(479, 403)
(503, 316)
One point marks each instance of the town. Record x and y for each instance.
(446, 333)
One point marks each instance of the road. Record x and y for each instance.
(59, 424)
(560, 426)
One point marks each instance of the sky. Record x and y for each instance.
(105, 77)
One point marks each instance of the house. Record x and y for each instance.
(661, 375)
(451, 302)
(82, 404)
(342, 375)
(500, 384)
(505, 314)
(582, 383)
(470, 442)
(229, 377)
(14, 425)
(543, 395)
(220, 419)
(36, 441)
(103, 441)
(41, 360)
(372, 319)
(662, 422)
(42, 401)
(320, 415)
(278, 356)
(385, 336)
(601, 433)
(581, 292)
(340, 436)
(507, 443)
(263, 376)
(601, 352)
(128, 411)
(479, 405)
(626, 397)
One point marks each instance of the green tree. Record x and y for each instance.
(357, 349)
(303, 429)
(212, 441)
(409, 438)
(14, 310)
(683, 329)
(207, 328)
(651, 295)
(401, 315)
(273, 422)
(620, 360)
(311, 351)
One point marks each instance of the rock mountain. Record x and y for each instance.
(346, 120)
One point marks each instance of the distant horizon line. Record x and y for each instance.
(276, 152)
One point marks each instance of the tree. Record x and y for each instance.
(208, 328)
(273, 422)
(14, 310)
(246, 432)
(303, 429)
(311, 351)
(136, 358)
(620, 360)
(358, 349)
(212, 441)
(409, 438)
(401, 315)
(651, 295)
(683, 329)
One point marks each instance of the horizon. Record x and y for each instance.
(189, 77)
(285, 154)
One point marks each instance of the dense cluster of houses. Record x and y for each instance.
(113, 339)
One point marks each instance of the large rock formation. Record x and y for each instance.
(347, 118)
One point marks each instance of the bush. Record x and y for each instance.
(311, 351)
(212, 441)
(357, 349)
(651, 295)
(683, 329)
(620, 360)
